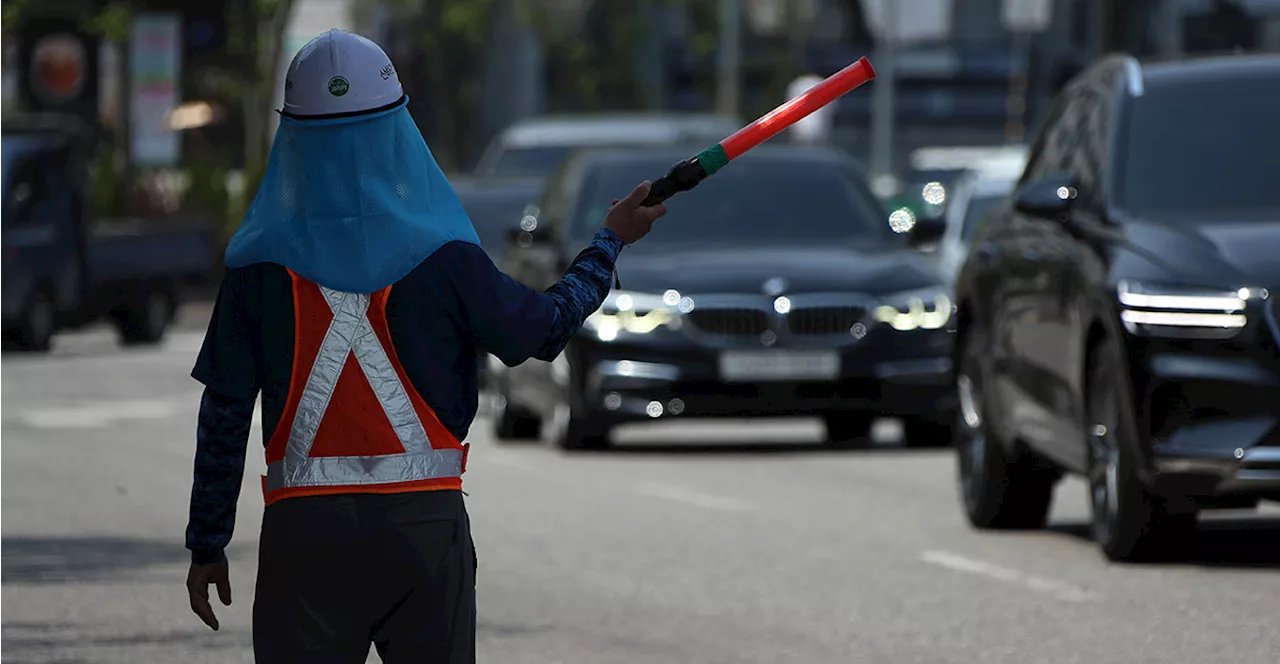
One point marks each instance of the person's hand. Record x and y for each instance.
(630, 221)
(199, 578)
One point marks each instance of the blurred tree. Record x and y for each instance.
(593, 67)
(439, 50)
(255, 38)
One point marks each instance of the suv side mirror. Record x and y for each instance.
(927, 231)
(1048, 197)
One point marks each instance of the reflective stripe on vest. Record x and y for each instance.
(351, 333)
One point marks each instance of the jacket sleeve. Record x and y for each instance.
(222, 436)
(515, 322)
(228, 367)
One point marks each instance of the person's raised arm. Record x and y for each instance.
(515, 322)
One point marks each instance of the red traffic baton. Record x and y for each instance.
(686, 174)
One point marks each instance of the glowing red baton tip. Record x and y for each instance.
(830, 89)
(686, 174)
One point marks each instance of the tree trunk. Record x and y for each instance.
(266, 44)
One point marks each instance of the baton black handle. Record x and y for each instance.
(683, 176)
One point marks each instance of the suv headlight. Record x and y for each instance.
(1184, 311)
(637, 313)
(926, 309)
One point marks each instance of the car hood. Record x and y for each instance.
(744, 271)
(1239, 251)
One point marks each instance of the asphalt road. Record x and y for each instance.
(752, 544)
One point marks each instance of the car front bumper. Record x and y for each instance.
(1211, 411)
(625, 381)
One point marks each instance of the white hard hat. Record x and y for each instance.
(340, 73)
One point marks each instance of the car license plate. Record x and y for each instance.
(779, 365)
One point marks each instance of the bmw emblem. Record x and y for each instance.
(774, 287)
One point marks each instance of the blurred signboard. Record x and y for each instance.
(58, 66)
(1026, 15)
(908, 21)
(154, 79)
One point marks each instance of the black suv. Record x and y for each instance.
(1118, 316)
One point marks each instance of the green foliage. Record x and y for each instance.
(113, 23)
(14, 11)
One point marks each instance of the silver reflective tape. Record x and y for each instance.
(351, 332)
(348, 310)
(349, 470)
(391, 393)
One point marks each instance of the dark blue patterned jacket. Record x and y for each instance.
(443, 316)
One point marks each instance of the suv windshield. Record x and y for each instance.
(763, 202)
(1201, 147)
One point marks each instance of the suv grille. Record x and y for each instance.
(824, 320)
(729, 322)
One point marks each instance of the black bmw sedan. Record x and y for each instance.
(1118, 320)
(776, 288)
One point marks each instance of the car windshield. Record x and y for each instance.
(1187, 150)
(979, 206)
(532, 161)
(764, 202)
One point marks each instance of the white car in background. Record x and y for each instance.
(973, 197)
(538, 146)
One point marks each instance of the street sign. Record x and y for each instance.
(1026, 15)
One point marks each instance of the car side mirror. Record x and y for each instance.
(927, 231)
(528, 232)
(1049, 197)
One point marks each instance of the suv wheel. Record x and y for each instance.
(146, 321)
(1129, 522)
(39, 322)
(997, 489)
(512, 422)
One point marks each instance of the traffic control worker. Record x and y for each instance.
(357, 301)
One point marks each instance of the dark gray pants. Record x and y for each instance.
(336, 573)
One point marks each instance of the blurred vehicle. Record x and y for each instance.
(929, 186)
(538, 146)
(1118, 317)
(775, 288)
(62, 269)
(973, 198)
(495, 206)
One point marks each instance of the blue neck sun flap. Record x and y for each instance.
(353, 204)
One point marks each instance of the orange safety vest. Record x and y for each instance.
(353, 423)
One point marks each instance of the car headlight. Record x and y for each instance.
(637, 313)
(1183, 311)
(928, 309)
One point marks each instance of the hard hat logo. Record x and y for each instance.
(338, 86)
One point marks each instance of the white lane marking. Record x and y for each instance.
(99, 414)
(690, 497)
(1059, 589)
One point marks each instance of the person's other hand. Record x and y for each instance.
(630, 221)
(199, 578)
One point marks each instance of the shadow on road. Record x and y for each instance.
(721, 448)
(42, 560)
(1243, 542)
(62, 643)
